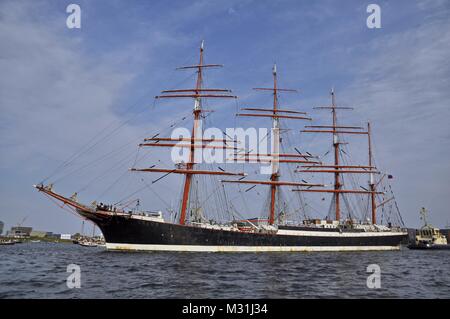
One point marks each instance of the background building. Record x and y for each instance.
(40, 234)
(1, 227)
(19, 231)
(54, 236)
(66, 236)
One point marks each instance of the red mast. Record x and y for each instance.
(337, 183)
(274, 158)
(197, 93)
(276, 136)
(338, 169)
(190, 164)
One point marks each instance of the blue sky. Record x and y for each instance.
(60, 88)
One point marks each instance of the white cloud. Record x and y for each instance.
(402, 86)
(47, 82)
(55, 97)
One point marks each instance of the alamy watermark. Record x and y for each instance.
(374, 19)
(374, 279)
(73, 21)
(234, 145)
(74, 279)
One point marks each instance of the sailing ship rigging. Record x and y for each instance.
(337, 169)
(276, 157)
(192, 230)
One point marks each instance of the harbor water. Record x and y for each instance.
(40, 270)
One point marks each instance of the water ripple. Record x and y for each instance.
(38, 270)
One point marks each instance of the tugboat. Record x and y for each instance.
(428, 237)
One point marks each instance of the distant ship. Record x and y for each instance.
(87, 241)
(195, 230)
(7, 242)
(428, 237)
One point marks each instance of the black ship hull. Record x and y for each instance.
(125, 232)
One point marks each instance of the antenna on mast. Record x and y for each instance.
(423, 215)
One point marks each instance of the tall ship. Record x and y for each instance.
(215, 214)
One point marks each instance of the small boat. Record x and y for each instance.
(429, 237)
(7, 242)
(87, 243)
(35, 241)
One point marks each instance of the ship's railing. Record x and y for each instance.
(211, 226)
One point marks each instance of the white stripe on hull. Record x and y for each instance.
(337, 234)
(199, 248)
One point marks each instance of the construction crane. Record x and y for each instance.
(23, 221)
